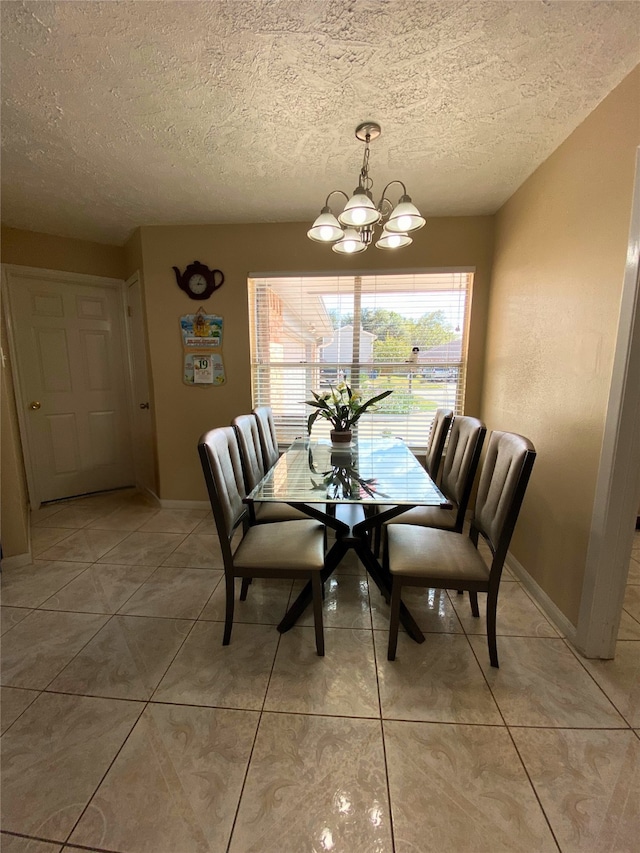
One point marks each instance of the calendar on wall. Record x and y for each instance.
(202, 349)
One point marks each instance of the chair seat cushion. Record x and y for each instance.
(427, 516)
(283, 545)
(268, 513)
(426, 553)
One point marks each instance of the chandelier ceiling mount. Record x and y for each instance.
(368, 131)
(352, 231)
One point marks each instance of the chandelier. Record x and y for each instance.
(352, 231)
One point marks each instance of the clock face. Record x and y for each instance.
(197, 284)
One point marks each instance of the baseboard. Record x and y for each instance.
(17, 561)
(550, 610)
(185, 504)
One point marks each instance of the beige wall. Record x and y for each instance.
(133, 254)
(30, 249)
(558, 271)
(183, 413)
(14, 523)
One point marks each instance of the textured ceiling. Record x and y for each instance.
(120, 114)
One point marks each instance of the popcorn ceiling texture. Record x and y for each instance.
(120, 114)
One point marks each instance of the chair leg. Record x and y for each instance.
(473, 598)
(317, 589)
(394, 620)
(228, 616)
(492, 605)
(244, 588)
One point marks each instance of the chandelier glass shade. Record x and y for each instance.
(389, 240)
(350, 244)
(404, 217)
(359, 210)
(326, 228)
(353, 229)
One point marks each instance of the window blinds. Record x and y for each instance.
(405, 332)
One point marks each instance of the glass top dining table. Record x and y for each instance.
(366, 472)
(352, 490)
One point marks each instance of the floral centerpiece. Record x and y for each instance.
(342, 407)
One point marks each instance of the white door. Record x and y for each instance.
(141, 417)
(68, 347)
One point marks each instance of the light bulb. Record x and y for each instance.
(389, 240)
(404, 223)
(350, 244)
(358, 215)
(326, 232)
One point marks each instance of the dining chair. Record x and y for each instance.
(268, 437)
(444, 559)
(246, 427)
(458, 473)
(283, 549)
(437, 438)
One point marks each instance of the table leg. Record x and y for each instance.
(374, 570)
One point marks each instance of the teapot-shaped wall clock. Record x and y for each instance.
(198, 281)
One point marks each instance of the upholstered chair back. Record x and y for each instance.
(220, 458)
(437, 438)
(268, 438)
(461, 463)
(246, 427)
(501, 487)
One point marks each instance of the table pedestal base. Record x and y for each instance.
(353, 531)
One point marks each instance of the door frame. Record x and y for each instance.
(149, 489)
(18, 271)
(617, 492)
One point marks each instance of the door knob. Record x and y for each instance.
(142, 405)
(34, 405)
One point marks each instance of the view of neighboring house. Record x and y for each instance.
(338, 349)
(451, 351)
(435, 363)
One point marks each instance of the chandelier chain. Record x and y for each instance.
(365, 180)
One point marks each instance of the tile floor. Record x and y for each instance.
(128, 727)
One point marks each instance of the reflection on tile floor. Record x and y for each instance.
(128, 728)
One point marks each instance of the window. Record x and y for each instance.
(407, 332)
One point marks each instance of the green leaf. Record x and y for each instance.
(311, 420)
(375, 400)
